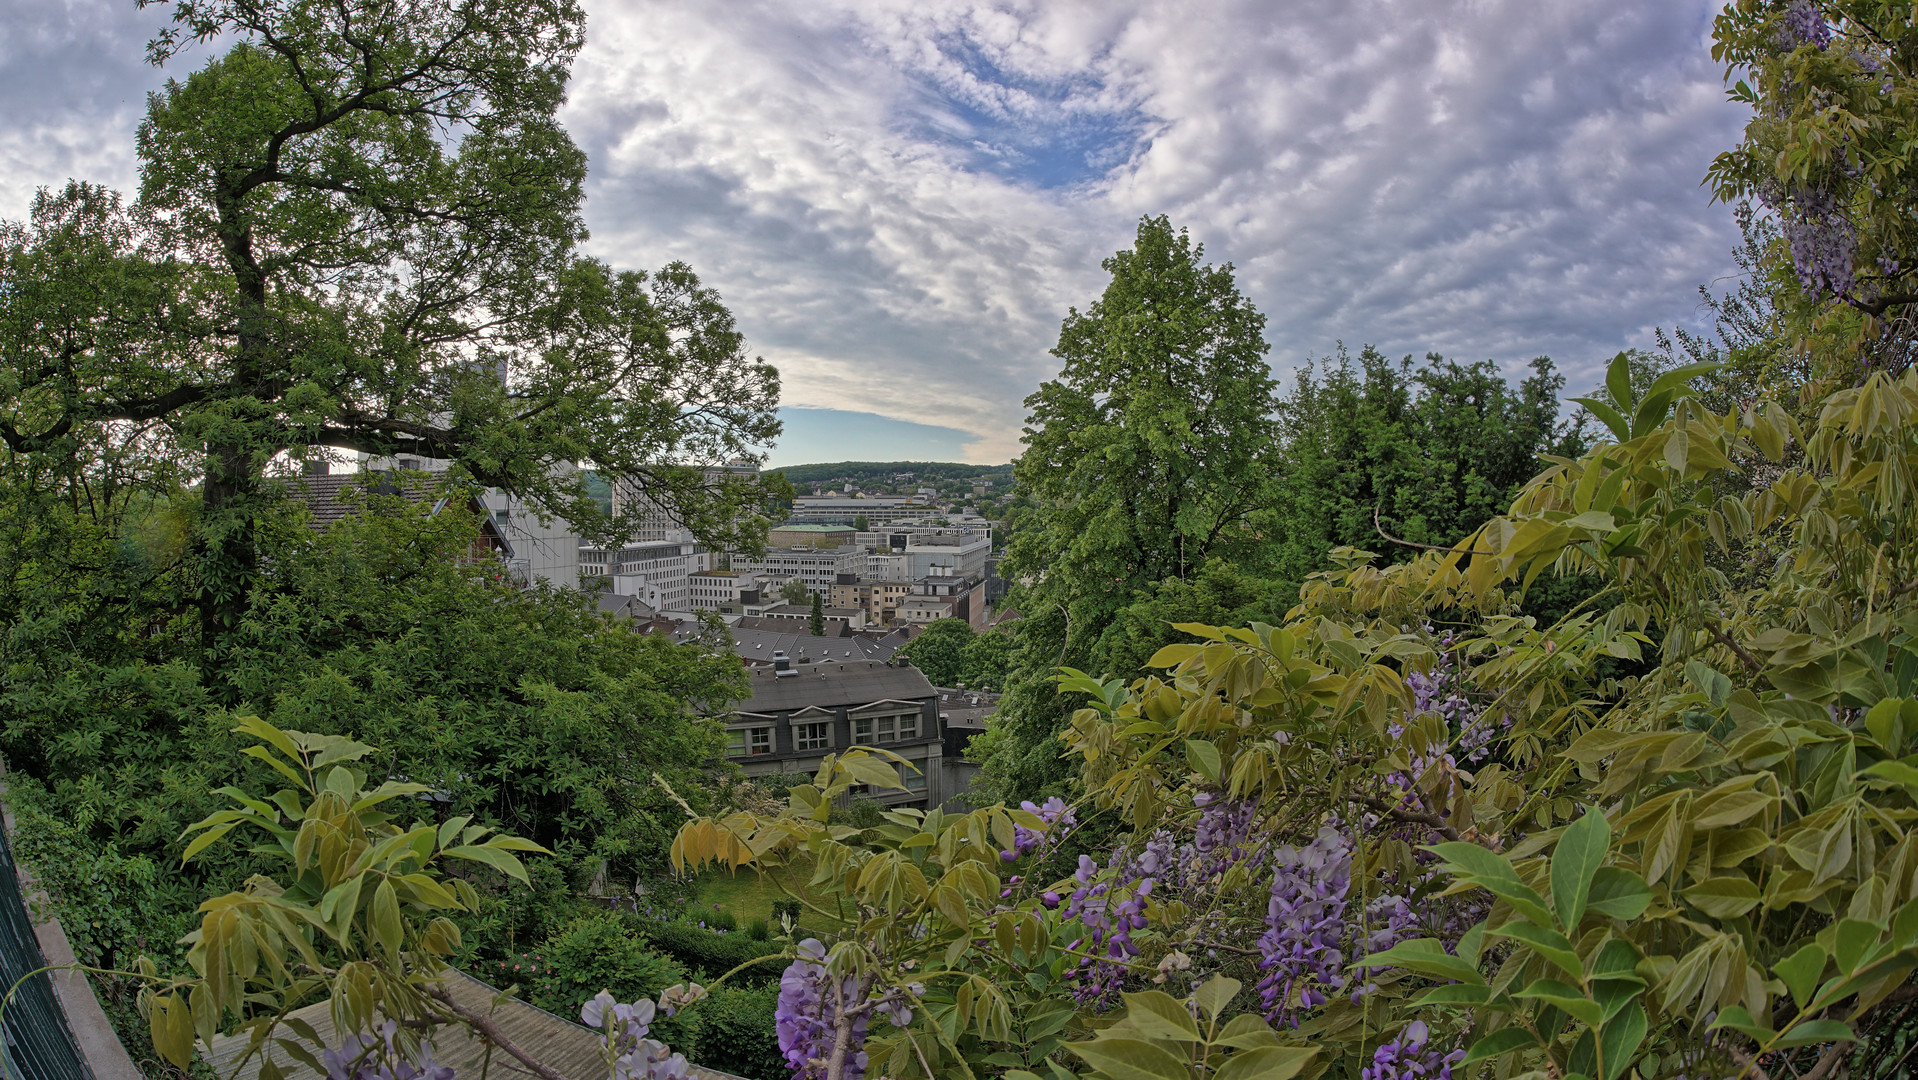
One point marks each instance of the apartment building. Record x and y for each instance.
(797, 714)
(819, 569)
(842, 510)
(877, 597)
(793, 534)
(945, 597)
(723, 590)
(908, 554)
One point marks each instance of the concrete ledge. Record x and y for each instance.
(92, 1031)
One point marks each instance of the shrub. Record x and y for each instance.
(758, 930)
(594, 953)
(736, 1032)
(711, 955)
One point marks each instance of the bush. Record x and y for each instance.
(758, 930)
(594, 953)
(711, 955)
(736, 1032)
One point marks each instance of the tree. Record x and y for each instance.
(1426, 454)
(817, 620)
(357, 228)
(794, 591)
(1142, 461)
(987, 660)
(940, 651)
(859, 522)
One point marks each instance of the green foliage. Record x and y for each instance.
(816, 621)
(708, 954)
(1159, 1038)
(794, 591)
(736, 1033)
(940, 651)
(356, 910)
(987, 661)
(1687, 870)
(600, 952)
(357, 229)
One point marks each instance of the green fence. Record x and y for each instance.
(38, 1045)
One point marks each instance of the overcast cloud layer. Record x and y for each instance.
(900, 200)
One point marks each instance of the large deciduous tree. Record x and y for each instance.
(1145, 455)
(357, 228)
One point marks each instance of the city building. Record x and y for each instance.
(801, 614)
(877, 597)
(330, 499)
(793, 534)
(819, 569)
(845, 510)
(960, 552)
(724, 590)
(944, 597)
(799, 713)
(659, 572)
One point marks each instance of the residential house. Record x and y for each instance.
(797, 714)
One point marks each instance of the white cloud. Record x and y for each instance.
(900, 199)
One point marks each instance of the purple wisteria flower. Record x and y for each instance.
(367, 1057)
(808, 1011)
(631, 1054)
(1801, 24)
(1301, 949)
(1411, 1057)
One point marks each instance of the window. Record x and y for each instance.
(913, 776)
(813, 736)
(749, 741)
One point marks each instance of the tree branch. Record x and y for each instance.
(491, 1033)
(1412, 543)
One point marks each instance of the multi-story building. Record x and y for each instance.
(723, 590)
(800, 615)
(659, 572)
(843, 510)
(909, 554)
(878, 598)
(819, 569)
(798, 714)
(942, 596)
(794, 534)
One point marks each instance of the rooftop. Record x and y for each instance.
(831, 686)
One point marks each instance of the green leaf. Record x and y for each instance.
(1852, 942)
(1618, 1041)
(1130, 1059)
(1427, 956)
(1621, 428)
(1456, 994)
(1203, 757)
(1266, 1063)
(1159, 1015)
(1618, 381)
(386, 925)
(499, 860)
(1498, 1042)
(1549, 944)
(1567, 997)
(1494, 873)
(1216, 993)
(1808, 1032)
(1725, 897)
(205, 839)
(1246, 1031)
(1800, 971)
(1619, 893)
(1736, 1018)
(1580, 851)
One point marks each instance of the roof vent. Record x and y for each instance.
(782, 664)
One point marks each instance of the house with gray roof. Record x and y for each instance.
(797, 714)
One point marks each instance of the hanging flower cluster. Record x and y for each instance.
(629, 1053)
(1300, 951)
(1109, 911)
(1411, 1057)
(1056, 814)
(811, 1003)
(367, 1057)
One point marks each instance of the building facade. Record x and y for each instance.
(819, 569)
(723, 590)
(799, 714)
(793, 534)
(842, 510)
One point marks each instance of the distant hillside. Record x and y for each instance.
(860, 472)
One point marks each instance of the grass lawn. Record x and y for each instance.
(749, 896)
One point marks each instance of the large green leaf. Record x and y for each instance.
(1580, 851)
(1266, 1063)
(1498, 1042)
(1799, 972)
(1496, 874)
(1130, 1059)
(1723, 897)
(1427, 956)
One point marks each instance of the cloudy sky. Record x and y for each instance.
(900, 199)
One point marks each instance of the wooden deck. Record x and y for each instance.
(564, 1046)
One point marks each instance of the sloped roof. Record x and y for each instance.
(567, 1048)
(330, 498)
(830, 686)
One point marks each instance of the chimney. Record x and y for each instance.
(782, 664)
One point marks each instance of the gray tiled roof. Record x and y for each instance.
(830, 686)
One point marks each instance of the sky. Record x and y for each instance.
(901, 200)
